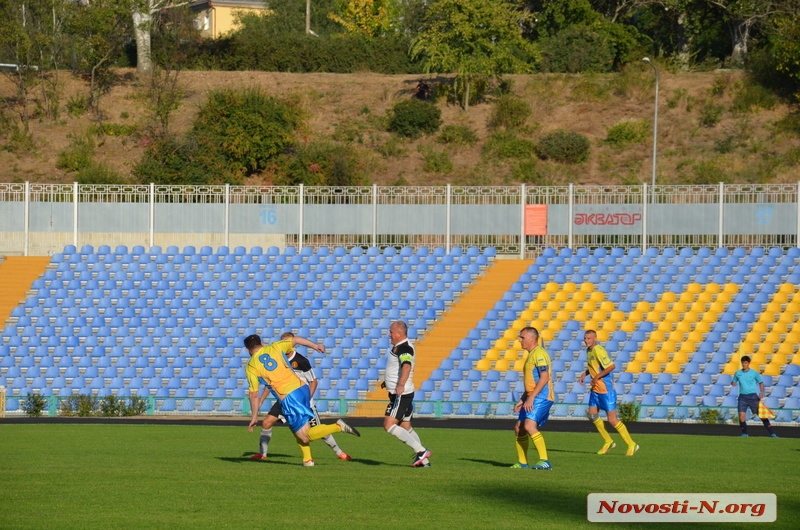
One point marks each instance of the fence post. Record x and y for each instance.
(447, 215)
(227, 214)
(571, 215)
(152, 214)
(151, 405)
(644, 217)
(300, 202)
(522, 204)
(721, 213)
(75, 201)
(27, 219)
(52, 406)
(374, 215)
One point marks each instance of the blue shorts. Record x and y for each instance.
(606, 402)
(539, 413)
(748, 401)
(296, 408)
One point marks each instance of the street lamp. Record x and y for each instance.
(655, 128)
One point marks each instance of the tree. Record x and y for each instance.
(743, 16)
(472, 39)
(143, 12)
(100, 29)
(365, 17)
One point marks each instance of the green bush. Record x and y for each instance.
(789, 124)
(676, 97)
(78, 154)
(246, 127)
(321, 163)
(34, 405)
(577, 48)
(563, 146)
(710, 113)
(96, 173)
(392, 148)
(453, 91)
(457, 134)
(113, 406)
(436, 161)
(117, 129)
(77, 106)
(172, 161)
(628, 132)
(707, 172)
(629, 412)
(711, 416)
(753, 96)
(81, 405)
(510, 112)
(528, 171)
(413, 118)
(506, 144)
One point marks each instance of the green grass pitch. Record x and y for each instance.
(190, 476)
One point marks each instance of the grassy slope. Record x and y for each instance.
(740, 147)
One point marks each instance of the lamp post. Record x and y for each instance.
(655, 129)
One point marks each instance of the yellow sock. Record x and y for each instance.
(601, 428)
(306, 450)
(321, 431)
(538, 442)
(522, 448)
(623, 431)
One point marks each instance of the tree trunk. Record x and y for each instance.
(466, 94)
(141, 28)
(683, 45)
(740, 34)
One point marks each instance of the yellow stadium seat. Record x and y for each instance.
(673, 367)
(772, 369)
(713, 287)
(758, 358)
(702, 327)
(684, 326)
(778, 358)
(643, 306)
(695, 336)
(501, 365)
(492, 354)
(628, 326)
(796, 358)
(669, 297)
(581, 316)
(569, 287)
(617, 316)
(786, 348)
(672, 317)
(787, 317)
(642, 356)
(657, 335)
(545, 315)
(597, 297)
(552, 287)
(635, 367)
(793, 336)
(608, 306)
(561, 296)
(511, 354)
(694, 288)
(585, 287)
(609, 326)
(635, 316)
(681, 356)
(556, 325)
(527, 315)
(563, 316)
(661, 356)
(787, 288)
(649, 345)
(547, 333)
(654, 367)
(669, 346)
(510, 334)
(691, 316)
(730, 288)
(602, 335)
(678, 307)
(730, 368)
(483, 364)
(519, 364)
(571, 305)
(592, 324)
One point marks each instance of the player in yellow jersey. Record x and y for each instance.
(602, 394)
(534, 405)
(268, 365)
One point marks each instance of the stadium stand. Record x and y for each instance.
(166, 324)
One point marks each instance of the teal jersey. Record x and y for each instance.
(748, 381)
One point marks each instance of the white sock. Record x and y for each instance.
(331, 442)
(414, 435)
(405, 437)
(263, 442)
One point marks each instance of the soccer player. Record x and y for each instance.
(751, 391)
(602, 395)
(398, 381)
(534, 405)
(268, 365)
(302, 367)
